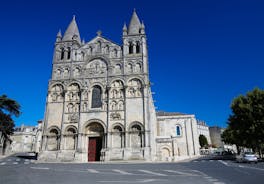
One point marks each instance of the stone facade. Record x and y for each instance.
(23, 139)
(177, 136)
(203, 129)
(215, 134)
(99, 104)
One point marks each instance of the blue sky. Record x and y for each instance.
(202, 54)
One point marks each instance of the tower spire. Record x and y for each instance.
(124, 29)
(72, 31)
(134, 25)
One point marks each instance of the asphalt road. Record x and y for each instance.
(24, 170)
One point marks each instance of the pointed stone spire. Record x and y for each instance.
(142, 30)
(134, 25)
(58, 37)
(59, 34)
(124, 29)
(83, 41)
(72, 31)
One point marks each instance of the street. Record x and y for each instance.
(24, 170)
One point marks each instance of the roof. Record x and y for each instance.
(71, 31)
(163, 113)
(134, 25)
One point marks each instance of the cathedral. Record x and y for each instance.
(99, 104)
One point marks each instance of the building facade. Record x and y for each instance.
(23, 139)
(203, 129)
(177, 136)
(99, 105)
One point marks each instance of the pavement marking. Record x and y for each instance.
(221, 161)
(125, 181)
(211, 160)
(42, 168)
(9, 159)
(3, 163)
(18, 159)
(251, 167)
(154, 173)
(201, 173)
(121, 172)
(218, 182)
(213, 180)
(181, 173)
(93, 171)
(26, 160)
(15, 163)
(26, 163)
(195, 161)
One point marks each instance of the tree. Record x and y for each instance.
(246, 122)
(203, 141)
(8, 108)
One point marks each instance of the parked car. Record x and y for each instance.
(248, 157)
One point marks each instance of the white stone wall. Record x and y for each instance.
(171, 146)
(204, 130)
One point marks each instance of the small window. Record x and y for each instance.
(130, 48)
(69, 53)
(178, 130)
(62, 53)
(138, 47)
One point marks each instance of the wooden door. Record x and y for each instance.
(92, 149)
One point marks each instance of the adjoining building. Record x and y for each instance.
(215, 135)
(23, 139)
(203, 129)
(99, 105)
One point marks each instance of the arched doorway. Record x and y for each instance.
(95, 133)
(165, 154)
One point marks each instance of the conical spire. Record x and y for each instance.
(124, 27)
(59, 34)
(134, 25)
(83, 41)
(58, 37)
(142, 30)
(72, 31)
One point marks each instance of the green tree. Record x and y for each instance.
(8, 108)
(246, 122)
(203, 141)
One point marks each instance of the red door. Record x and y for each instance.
(92, 149)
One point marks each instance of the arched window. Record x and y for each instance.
(99, 45)
(62, 53)
(178, 130)
(130, 48)
(70, 138)
(136, 136)
(53, 140)
(97, 97)
(69, 53)
(83, 55)
(115, 53)
(117, 137)
(106, 49)
(138, 47)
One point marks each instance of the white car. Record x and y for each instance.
(248, 157)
